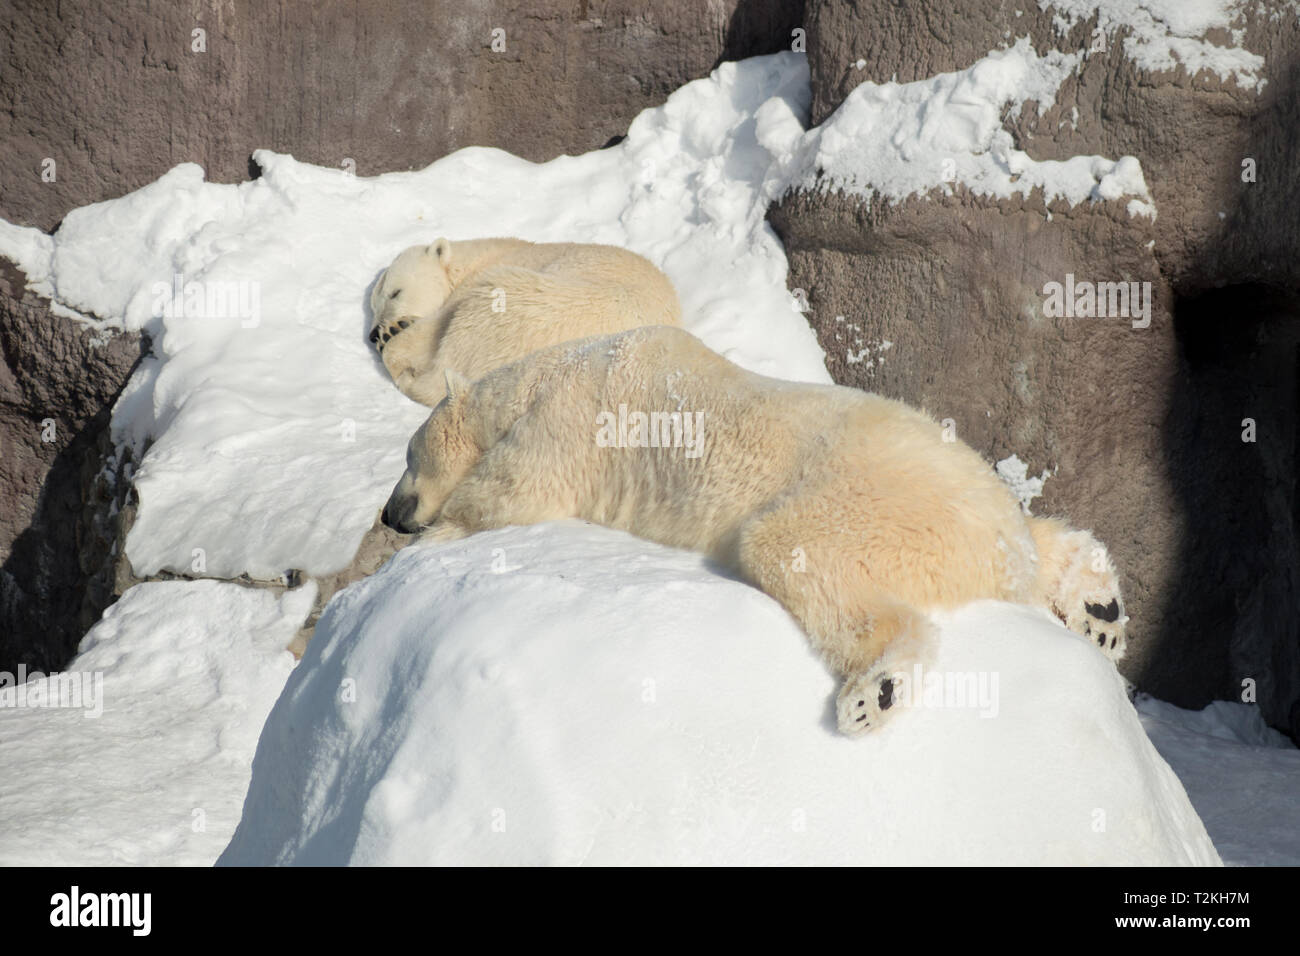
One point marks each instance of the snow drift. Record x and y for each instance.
(189, 671)
(566, 694)
(1240, 774)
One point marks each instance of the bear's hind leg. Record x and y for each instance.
(1077, 582)
(865, 635)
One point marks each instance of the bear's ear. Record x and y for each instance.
(440, 249)
(457, 385)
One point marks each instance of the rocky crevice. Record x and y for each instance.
(58, 530)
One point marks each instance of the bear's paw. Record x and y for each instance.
(865, 702)
(386, 329)
(1089, 603)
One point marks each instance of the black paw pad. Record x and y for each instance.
(1109, 613)
(403, 323)
(374, 334)
(886, 699)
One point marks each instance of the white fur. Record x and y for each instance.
(477, 305)
(848, 508)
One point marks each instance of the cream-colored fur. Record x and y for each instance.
(848, 508)
(477, 305)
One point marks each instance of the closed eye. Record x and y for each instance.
(396, 293)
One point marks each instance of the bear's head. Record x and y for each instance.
(416, 284)
(438, 456)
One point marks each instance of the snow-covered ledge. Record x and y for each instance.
(893, 141)
(566, 694)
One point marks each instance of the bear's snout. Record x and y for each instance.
(398, 516)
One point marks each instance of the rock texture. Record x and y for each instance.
(116, 94)
(57, 476)
(1141, 428)
(1190, 132)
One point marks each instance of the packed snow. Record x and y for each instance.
(273, 436)
(567, 694)
(1163, 35)
(153, 770)
(895, 140)
(1015, 474)
(1242, 776)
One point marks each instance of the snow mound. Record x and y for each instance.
(896, 140)
(188, 672)
(565, 694)
(276, 432)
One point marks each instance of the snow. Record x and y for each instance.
(609, 701)
(279, 403)
(189, 672)
(1242, 776)
(1015, 473)
(30, 250)
(895, 140)
(1162, 35)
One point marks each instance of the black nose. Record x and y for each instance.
(398, 518)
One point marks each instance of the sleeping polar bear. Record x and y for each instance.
(477, 305)
(848, 508)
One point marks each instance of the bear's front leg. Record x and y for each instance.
(442, 530)
(865, 634)
(863, 703)
(406, 344)
(905, 639)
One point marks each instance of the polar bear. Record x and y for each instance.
(477, 305)
(849, 509)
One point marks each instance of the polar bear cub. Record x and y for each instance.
(848, 508)
(477, 305)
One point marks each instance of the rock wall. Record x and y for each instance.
(1141, 428)
(57, 476)
(118, 93)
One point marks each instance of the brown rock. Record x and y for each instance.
(116, 94)
(1142, 428)
(58, 382)
(1191, 133)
